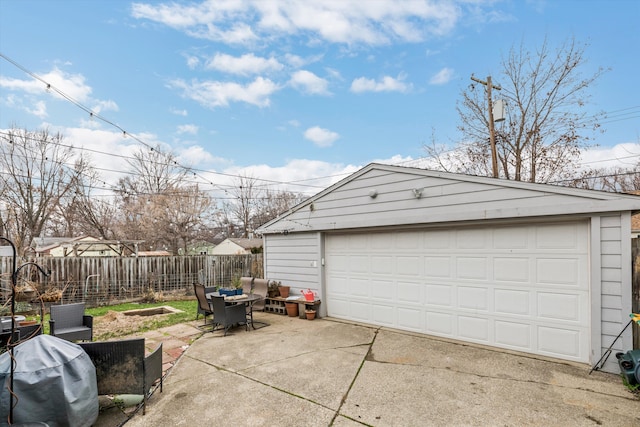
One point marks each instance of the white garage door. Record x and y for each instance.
(524, 287)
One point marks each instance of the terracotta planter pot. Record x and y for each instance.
(284, 291)
(292, 308)
(311, 314)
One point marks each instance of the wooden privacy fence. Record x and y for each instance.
(101, 280)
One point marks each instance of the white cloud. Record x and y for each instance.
(178, 112)
(620, 155)
(72, 85)
(190, 129)
(39, 110)
(101, 106)
(385, 84)
(321, 137)
(193, 62)
(300, 175)
(307, 82)
(196, 155)
(345, 21)
(212, 94)
(245, 65)
(443, 76)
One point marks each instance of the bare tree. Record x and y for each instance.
(37, 173)
(545, 127)
(89, 210)
(158, 204)
(615, 180)
(242, 209)
(274, 203)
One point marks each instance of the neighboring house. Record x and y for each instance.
(233, 246)
(528, 267)
(201, 248)
(85, 246)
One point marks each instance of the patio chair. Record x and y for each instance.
(227, 315)
(69, 322)
(247, 285)
(261, 288)
(201, 292)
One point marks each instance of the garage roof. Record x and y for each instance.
(384, 195)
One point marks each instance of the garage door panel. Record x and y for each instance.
(408, 241)
(359, 287)
(560, 271)
(338, 263)
(559, 306)
(439, 323)
(410, 319)
(383, 314)
(408, 266)
(473, 298)
(560, 236)
(473, 328)
(360, 310)
(438, 239)
(511, 269)
(359, 264)
(513, 335)
(512, 302)
(440, 295)
(382, 265)
(558, 342)
(471, 268)
(409, 293)
(382, 289)
(339, 307)
(471, 239)
(522, 287)
(511, 238)
(437, 266)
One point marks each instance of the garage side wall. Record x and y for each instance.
(615, 292)
(295, 260)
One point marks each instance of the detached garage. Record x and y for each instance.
(527, 267)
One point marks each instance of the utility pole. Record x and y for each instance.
(492, 133)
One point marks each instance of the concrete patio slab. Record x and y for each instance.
(330, 373)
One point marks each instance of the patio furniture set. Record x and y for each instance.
(228, 311)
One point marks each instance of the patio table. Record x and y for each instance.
(245, 299)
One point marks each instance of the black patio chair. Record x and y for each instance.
(69, 322)
(227, 315)
(204, 307)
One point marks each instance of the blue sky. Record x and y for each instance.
(293, 91)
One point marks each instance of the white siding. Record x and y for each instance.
(294, 260)
(615, 272)
(443, 198)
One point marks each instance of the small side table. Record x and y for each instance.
(304, 304)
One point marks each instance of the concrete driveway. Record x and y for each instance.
(329, 373)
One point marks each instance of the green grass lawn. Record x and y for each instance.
(188, 307)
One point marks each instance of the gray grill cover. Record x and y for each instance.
(54, 381)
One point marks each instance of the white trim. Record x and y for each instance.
(626, 277)
(596, 290)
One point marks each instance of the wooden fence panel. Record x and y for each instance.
(101, 280)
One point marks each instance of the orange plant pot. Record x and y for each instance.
(292, 308)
